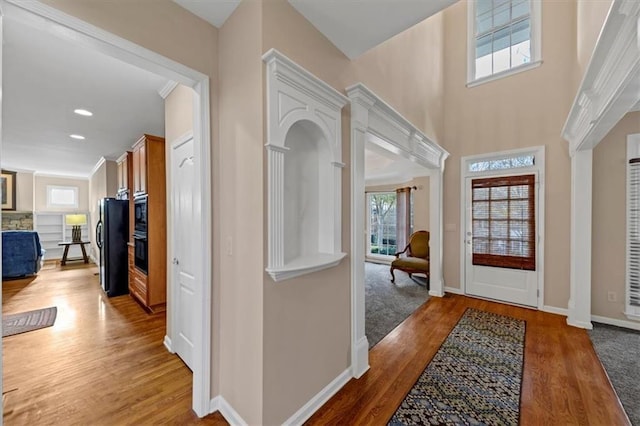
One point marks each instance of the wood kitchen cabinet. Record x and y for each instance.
(125, 172)
(150, 289)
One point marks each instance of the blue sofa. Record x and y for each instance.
(22, 253)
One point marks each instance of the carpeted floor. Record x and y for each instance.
(618, 350)
(388, 304)
(473, 379)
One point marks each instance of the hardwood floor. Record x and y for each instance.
(563, 380)
(102, 363)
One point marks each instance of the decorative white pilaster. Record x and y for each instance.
(436, 277)
(581, 200)
(275, 216)
(359, 343)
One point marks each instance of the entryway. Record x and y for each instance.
(502, 201)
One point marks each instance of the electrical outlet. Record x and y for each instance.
(612, 296)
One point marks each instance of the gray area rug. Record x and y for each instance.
(619, 351)
(475, 377)
(388, 304)
(28, 321)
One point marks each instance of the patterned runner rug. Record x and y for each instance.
(28, 321)
(475, 377)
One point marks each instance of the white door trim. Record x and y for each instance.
(371, 117)
(75, 30)
(539, 167)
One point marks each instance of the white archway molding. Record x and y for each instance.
(374, 121)
(302, 240)
(610, 89)
(72, 29)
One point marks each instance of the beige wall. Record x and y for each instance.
(102, 183)
(523, 110)
(307, 319)
(609, 219)
(24, 191)
(40, 192)
(241, 226)
(590, 16)
(178, 121)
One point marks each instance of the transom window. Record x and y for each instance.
(504, 36)
(503, 214)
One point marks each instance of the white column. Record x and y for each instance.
(359, 342)
(581, 199)
(436, 279)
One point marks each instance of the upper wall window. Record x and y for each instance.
(504, 38)
(62, 197)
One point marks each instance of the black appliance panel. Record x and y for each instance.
(112, 234)
(141, 251)
(140, 214)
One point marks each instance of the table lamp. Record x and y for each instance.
(76, 221)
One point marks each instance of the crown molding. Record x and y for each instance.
(166, 90)
(386, 123)
(611, 84)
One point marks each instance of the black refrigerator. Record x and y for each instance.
(112, 235)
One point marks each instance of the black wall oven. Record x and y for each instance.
(140, 252)
(140, 214)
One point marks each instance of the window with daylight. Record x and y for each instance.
(503, 213)
(504, 35)
(382, 224)
(62, 197)
(632, 305)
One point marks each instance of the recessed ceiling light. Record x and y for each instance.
(83, 112)
(79, 137)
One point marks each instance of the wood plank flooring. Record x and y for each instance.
(563, 380)
(102, 363)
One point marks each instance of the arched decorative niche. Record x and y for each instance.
(304, 170)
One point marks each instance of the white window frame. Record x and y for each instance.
(51, 204)
(376, 256)
(633, 151)
(535, 40)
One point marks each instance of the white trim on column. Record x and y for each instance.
(372, 118)
(611, 84)
(74, 30)
(580, 266)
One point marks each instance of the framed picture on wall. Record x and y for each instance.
(8, 185)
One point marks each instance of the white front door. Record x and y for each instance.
(186, 290)
(501, 238)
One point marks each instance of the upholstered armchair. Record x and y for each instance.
(416, 256)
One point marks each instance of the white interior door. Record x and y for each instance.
(501, 238)
(187, 290)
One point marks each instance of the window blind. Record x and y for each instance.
(633, 228)
(503, 215)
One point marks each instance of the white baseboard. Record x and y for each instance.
(319, 400)
(230, 415)
(167, 344)
(436, 293)
(361, 362)
(617, 322)
(554, 310)
(94, 260)
(453, 290)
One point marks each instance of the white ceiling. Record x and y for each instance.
(355, 26)
(213, 11)
(45, 78)
(382, 167)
